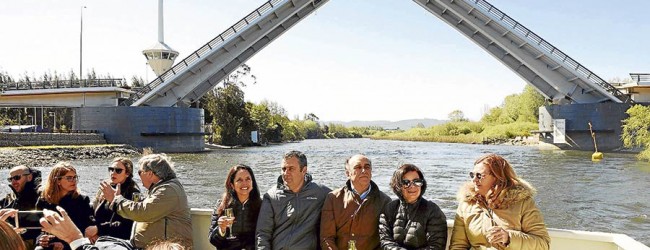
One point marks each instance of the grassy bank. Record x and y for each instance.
(461, 132)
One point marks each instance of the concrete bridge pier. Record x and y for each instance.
(165, 129)
(606, 120)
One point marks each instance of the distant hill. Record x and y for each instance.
(403, 124)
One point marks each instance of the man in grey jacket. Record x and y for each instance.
(290, 213)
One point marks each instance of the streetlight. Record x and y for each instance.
(54, 113)
(81, 42)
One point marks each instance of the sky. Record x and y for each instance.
(350, 60)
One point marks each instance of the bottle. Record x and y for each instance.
(352, 245)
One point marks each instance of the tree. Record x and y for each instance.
(457, 116)
(635, 130)
(231, 123)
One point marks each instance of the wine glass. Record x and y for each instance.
(137, 197)
(230, 217)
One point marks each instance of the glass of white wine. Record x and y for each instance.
(230, 217)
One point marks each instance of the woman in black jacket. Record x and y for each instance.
(411, 221)
(61, 190)
(242, 196)
(108, 222)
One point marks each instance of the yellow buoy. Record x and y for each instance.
(596, 156)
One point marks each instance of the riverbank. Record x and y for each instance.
(465, 139)
(43, 156)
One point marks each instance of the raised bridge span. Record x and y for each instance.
(553, 73)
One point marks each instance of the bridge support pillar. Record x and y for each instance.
(165, 129)
(606, 120)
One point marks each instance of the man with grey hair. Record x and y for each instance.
(164, 213)
(290, 214)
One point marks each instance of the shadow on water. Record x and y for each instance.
(573, 192)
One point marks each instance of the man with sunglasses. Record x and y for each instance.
(351, 213)
(24, 196)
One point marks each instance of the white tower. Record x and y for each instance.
(160, 56)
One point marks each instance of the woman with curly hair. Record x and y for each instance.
(497, 210)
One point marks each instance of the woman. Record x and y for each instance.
(411, 221)
(243, 196)
(108, 222)
(497, 210)
(61, 190)
(9, 239)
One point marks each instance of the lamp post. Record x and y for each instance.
(54, 113)
(81, 42)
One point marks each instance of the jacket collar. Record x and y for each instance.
(521, 191)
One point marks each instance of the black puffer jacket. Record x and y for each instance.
(108, 222)
(421, 225)
(243, 227)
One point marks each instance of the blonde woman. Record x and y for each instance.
(497, 210)
(61, 189)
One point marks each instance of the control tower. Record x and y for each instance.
(160, 57)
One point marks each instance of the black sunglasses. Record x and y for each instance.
(408, 183)
(478, 175)
(116, 170)
(16, 177)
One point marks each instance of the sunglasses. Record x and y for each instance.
(69, 178)
(408, 183)
(16, 177)
(116, 170)
(477, 175)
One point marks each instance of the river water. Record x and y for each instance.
(612, 195)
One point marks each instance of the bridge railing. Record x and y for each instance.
(60, 84)
(509, 22)
(202, 51)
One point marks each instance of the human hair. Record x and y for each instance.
(503, 172)
(398, 176)
(347, 161)
(228, 196)
(51, 190)
(9, 239)
(159, 164)
(128, 184)
(128, 165)
(170, 244)
(302, 159)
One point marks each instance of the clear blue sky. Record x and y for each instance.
(351, 60)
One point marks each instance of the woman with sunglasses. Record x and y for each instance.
(108, 222)
(411, 222)
(496, 209)
(242, 195)
(61, 189)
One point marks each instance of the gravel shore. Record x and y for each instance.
(43, 157)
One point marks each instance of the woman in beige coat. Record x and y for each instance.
(497, 210)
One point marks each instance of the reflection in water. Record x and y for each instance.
(573, 192)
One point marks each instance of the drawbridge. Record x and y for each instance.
(552, 72)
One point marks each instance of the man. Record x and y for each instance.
(351, 213)
(164, 214)
(25, 186)
(290, 213)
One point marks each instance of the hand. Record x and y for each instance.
(6, 213)
(91, 231)
(498, 235)
(60, 226)
(44, 240)
(224, 222)
(57, 246)
(108, 191)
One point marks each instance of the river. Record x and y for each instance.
(612, 195)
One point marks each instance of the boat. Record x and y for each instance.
(561, 239)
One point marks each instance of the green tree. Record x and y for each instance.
(457, 116)
(635, 129)
(231, 123)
